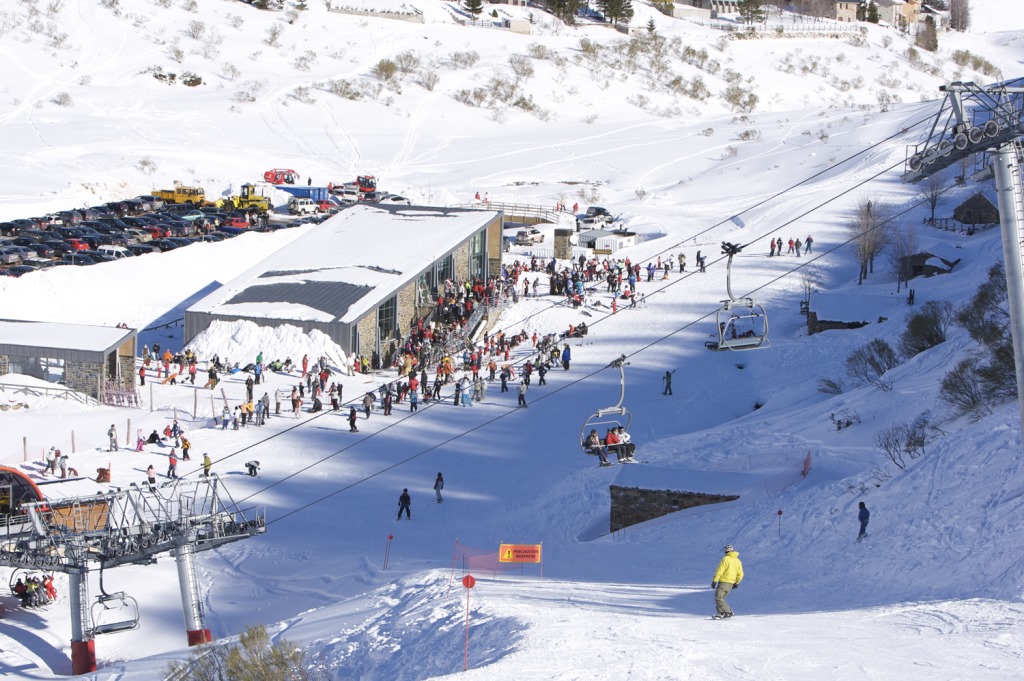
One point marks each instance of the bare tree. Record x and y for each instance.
(959, 15)
(868, 364)
(870, 232)
(903, 244)
(931, 188)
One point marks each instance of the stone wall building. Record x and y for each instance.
(362, 277)
(86, 359)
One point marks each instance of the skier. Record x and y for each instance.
(522, 393)
(438, 486)
(727, 577)
(667, 378)
(566, 356)
(403, 505)
(352, 420)
(112, 434)
(594, 443)
(863, 516)
(207, 465)
(807, 244)
(172, 465)
(367, 403)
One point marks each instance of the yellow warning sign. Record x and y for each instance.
(519, 553)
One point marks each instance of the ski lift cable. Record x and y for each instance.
(546, 395)
(587, 376)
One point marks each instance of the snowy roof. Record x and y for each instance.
(853, 307)
(16, 335)
(346, 266)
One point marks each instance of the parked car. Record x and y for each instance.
(301, 206)
(59, 247)
(163, 244)
(77, 259)
(77, 244)
(141, 249)
(594, 211)
(150, 202)
(526, 237)
(41, 250)
(97, 256)
(17, 270)
(10, 256)
(235, 221)
(116, 252)
(395, 199)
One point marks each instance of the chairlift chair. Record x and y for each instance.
(608, 417)
(113, 613)
(742, 322)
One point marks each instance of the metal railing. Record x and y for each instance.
(60, 392)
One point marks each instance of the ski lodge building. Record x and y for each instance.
(361, 277)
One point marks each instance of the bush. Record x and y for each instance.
(344, 89)
(195, 30)
(868, 364)
(829, 386)
(62, 99)
(429, 79)
(521, 66)
(384, 70)
(739, 99)
(251, 657)
(901, 439)
(407, 61)
(845, 419)
(464, 60)
(190, 79)
(273, 34)
(926, 328)
(961, 389)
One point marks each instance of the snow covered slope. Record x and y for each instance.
(936, 589)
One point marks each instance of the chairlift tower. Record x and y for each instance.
(986, 121)
(121, 527)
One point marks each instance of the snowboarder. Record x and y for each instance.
(172, 465)
(667, 378)
(151, 475)
(112, 434)
(727, 577)
(566, 356)
(207, 465)
(807, 244)
(367, 403)
(253, 467)
(403, 505)
(185, 446)
(438, 486)
(863, 516)
(522, 393)
(352, 420)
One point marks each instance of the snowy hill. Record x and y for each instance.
(594, 119)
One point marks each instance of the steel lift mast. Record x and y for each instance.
(987, 121)
(121, 527)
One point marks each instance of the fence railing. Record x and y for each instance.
(57, 391)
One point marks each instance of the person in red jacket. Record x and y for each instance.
(142, 374)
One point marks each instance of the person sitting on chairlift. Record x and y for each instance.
(594, 444)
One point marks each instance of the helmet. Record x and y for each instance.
(728, 548)
(406, 489)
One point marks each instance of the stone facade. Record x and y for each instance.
(632, 505)
(5, 365)
(460, 262)
(84, 377)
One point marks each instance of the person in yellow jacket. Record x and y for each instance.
(727, 577)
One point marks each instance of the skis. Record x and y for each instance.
(721, 617)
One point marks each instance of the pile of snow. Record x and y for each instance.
(241, 341)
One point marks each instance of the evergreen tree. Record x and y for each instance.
(651, 28)
(927, 36)
(474, 7)
(872, 16)
(751, 11)
(616, 11)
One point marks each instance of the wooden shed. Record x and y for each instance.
(976, 210)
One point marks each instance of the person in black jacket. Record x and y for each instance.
(863, 516)
(403, 505)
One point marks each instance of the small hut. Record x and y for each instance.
(976, 210)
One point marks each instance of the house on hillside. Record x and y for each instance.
(901, 14)
(849, 10)
(925, 264)
(976, 210)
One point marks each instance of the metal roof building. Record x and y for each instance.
(85, 357)
(360, 277)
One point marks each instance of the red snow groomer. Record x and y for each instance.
(281, 176)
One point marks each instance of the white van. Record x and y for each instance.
(299, 206)
(114, 251)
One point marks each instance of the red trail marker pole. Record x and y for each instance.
(467, 582)
(387, 551)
